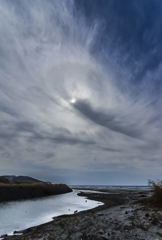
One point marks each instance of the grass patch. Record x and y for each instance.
(156, 199)
(156, 186)
(23, 182)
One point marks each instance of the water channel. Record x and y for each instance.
(19, 215)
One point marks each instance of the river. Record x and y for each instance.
(19, 215)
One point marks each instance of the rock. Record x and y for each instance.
(134, 198)
(143, 226)
(90, 237)
(101, 231)
(155, 221)
(159, 233)
(105, 236)
(147, 215)
(4, 235)
(128, 226)
(77, 236)
(142, 195)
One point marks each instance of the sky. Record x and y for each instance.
(81, 90)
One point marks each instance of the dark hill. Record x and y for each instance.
(22, 187)
(26, 178)
(14, 178)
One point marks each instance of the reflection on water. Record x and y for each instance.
(19, 215)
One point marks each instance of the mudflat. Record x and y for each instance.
(120, 217)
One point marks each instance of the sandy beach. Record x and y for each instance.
(118, 218)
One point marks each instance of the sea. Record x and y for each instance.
(144, 187)
(19, 215)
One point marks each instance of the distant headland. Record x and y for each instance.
(24, 187)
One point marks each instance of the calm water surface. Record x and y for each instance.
(145, 187)
(19, 215)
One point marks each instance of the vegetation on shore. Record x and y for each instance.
(156, 186)
(27, 189)
(155, 200)
(10, 179)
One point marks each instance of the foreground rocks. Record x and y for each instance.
(118, 219)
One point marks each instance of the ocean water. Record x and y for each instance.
(144, 187)
(19, 215)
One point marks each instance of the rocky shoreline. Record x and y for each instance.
(119, 218)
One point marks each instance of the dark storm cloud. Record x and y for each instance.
(15, 131)
(8, 111)
(62, 139)
(25, 126)
(109, 149)
(59, 135)
(107, 120)
(11, 129)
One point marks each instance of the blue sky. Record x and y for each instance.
(80, 90)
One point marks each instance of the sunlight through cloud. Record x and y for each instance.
(73, 100)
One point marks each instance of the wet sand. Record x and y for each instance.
(119, 218)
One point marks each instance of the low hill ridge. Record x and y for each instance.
(25, 187)
(14, 178)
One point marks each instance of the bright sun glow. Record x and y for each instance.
(73, 100)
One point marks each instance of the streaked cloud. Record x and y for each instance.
(80, 89)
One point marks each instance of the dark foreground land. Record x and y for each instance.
(119, 218)
(11, 192)
(24, 187)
